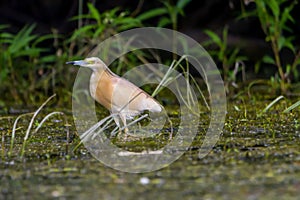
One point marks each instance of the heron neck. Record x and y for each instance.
(99, 76)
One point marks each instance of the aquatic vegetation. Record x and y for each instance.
(292, 107)
(274, 102)
(28, 131)
(255, 152)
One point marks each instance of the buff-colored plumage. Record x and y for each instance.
(118, 95)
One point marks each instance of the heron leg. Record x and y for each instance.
(123, 119)
(116, 119)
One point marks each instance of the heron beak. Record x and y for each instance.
(78, 62)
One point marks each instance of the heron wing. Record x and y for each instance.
(130, 98)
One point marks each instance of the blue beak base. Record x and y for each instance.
(78, 62)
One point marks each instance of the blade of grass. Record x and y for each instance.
(295, 105)
(167, 80)
(31, 123)
(173, 66)
(46, 118)
(271, 104)
(14, 132)
(166, 77)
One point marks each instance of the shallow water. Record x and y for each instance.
(255, 158)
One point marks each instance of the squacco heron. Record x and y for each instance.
(122, 98)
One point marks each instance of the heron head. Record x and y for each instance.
(93, 62)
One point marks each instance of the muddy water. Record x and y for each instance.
(255, 158)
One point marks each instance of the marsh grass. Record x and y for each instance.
(168, 79)
(292, 107)
(13, 134)
(30, 125)
(270, 105)
(274, 102)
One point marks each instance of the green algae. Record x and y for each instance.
(256, 157)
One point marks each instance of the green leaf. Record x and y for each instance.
(112, 13)
(225, 36)
(257, 67)
(281, 42)
(85, 16)
(286, 42)
(22, 39)
(6, 38)
(289, 45)
(163, 22)
(30, 52)
(6, 35)
(271, 105)
(233, 57)
(47, 59)
(94, 12)
(152, 13)
(274, 6)
(82, 30)
(3, 26)
(285, 17)
(98, 32)
(268, 59)
(295, 105)
(214, 37)
(182, 3)
(247, 15)
(126, 26)
(128, 21)
(6, 41)
(42, 38)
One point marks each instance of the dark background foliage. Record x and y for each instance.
(43, 71)
(199, 15)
